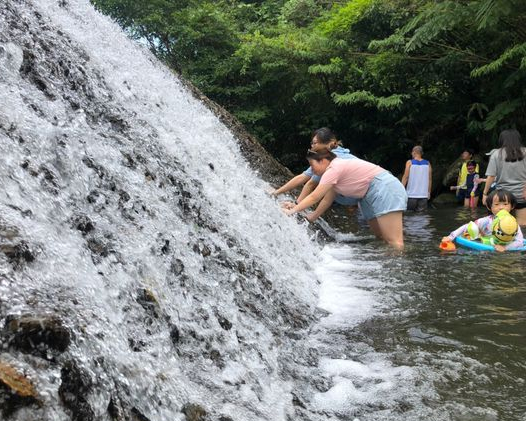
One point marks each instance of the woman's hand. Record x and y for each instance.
(288, 211)
(446, 239)
(287, 205)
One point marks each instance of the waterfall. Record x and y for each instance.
(144, 272)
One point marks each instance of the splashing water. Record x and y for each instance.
(139, 224)
(130, 219)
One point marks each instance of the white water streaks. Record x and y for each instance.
(181, 280)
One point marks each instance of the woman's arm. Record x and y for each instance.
(293, 183)
(489, 181)
(307, 189)
(311, 199)
(325, 204)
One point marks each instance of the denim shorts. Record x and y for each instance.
(386, 194)
(345, 201)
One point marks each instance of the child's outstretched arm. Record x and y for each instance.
(483, 224)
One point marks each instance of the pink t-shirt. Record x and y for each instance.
(350, 177)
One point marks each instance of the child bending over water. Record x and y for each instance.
(496, 201)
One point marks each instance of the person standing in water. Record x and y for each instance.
(462, 193)
(507, 167)
(323, 139)
(417, 180)
(381, 196)
(472, 191)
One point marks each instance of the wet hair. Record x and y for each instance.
(471, 164)
(324, 135)
(318, 156)
(503, 195)
(511, 141)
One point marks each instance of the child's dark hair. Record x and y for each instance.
(502, 195)
(318, 156)
(471, 164)
(324, 135)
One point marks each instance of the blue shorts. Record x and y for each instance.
(345, 201)
(386, 194)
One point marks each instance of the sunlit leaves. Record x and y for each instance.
(368, 99)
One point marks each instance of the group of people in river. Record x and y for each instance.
(335, 175)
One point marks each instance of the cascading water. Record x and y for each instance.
(165, 282)
(146, 276)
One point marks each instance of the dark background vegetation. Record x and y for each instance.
(383, 74)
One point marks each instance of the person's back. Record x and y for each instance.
(417, 180)
(508, 175)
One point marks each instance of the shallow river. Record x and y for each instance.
(424, 334)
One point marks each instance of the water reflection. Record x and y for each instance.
(418, 227)
(459, 317)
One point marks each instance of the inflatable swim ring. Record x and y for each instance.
(477, 245)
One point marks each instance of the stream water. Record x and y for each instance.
(455, 321)
(129, 216)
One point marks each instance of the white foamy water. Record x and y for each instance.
(191, 287)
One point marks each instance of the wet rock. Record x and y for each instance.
(93, 196)
(74, 391)
(100, 246)
(224, 323)
(175, 335)
(149, 302)
(258, 158)
(202, 249)
(136, 345)
(18, 253)
(83, 224)
(90, 163)
(296, 401)
(123, 197)
(7, 231)
(37, 335)
(16, 390)
(49, 179)
(163, 247)
(177, 267)
(194, 412)
(216, 357)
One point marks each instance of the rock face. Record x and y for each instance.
(260, 160)
(16, 389)
(144, 272)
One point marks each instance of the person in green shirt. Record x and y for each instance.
(462, 188)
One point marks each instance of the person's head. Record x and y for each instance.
(511, 141)
(500, 199)
(466, 154)
(417, 152)
(471, 166)
(323, 139)
(319, 160)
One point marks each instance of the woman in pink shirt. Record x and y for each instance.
(382, 198)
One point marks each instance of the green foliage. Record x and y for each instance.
(382, 103)
(342, 17)
(385, 74)
(516, 54)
